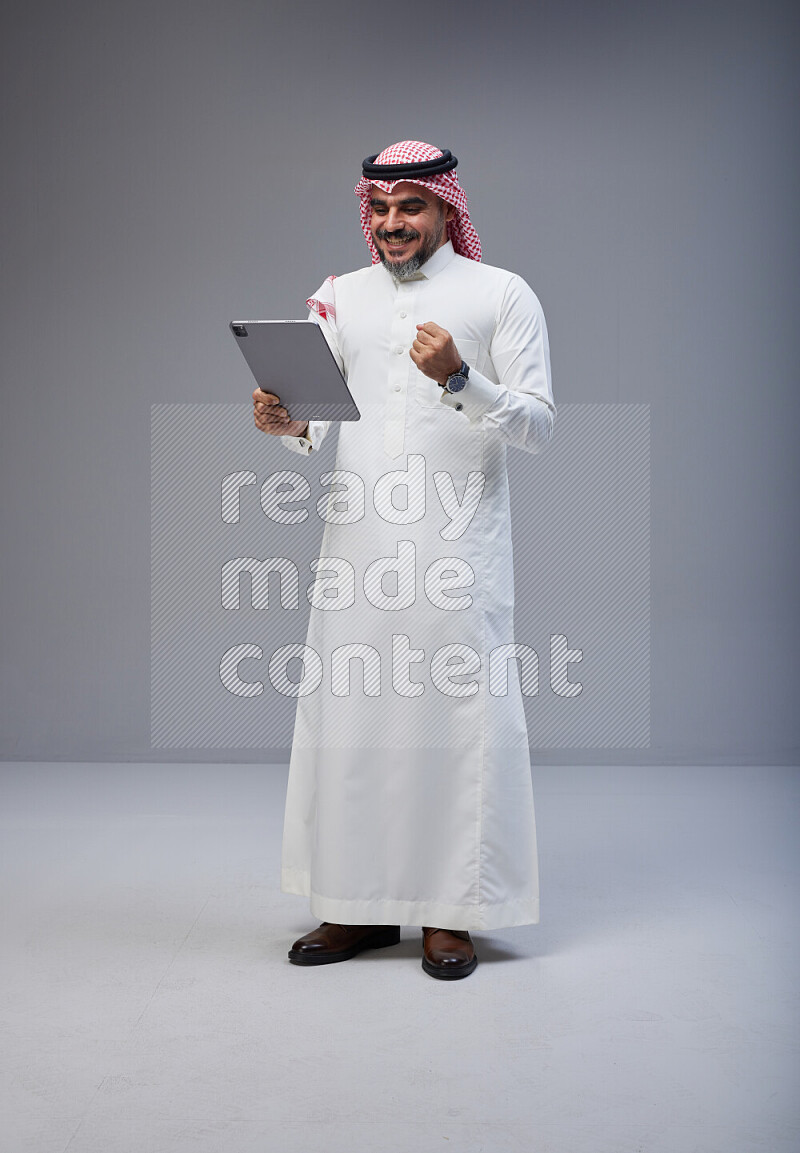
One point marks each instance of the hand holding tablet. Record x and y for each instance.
(270, 416)
(294, 367)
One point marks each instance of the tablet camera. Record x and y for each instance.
(239, 330)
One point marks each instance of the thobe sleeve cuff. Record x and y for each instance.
(314, 438)
(298, 444)
(474, 400)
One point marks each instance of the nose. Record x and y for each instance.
(394, 220)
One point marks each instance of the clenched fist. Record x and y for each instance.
(271, 417)
(434, 352)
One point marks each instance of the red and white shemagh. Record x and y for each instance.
(460, 230)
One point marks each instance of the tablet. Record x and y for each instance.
(291, 359)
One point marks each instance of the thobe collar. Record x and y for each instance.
(440, 260)
(432, 266)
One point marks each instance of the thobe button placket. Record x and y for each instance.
(401, 338)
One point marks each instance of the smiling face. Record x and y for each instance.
(408, 224)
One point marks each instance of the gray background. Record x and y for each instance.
(169, 166)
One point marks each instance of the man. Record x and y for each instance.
(409, 799)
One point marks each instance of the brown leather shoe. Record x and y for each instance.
(447, 953)
(331, 943)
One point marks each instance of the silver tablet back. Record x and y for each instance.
(291, 359)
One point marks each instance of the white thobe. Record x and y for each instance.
(409, 799)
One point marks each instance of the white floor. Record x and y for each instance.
(148, 1004)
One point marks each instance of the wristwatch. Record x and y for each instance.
(456, 381)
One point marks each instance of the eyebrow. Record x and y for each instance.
(405, 203)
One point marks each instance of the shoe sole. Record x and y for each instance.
(443, 974)
(379, 941)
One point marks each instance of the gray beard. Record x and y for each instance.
(407, 269)
(411, 267)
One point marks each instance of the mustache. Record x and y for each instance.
(398, 234)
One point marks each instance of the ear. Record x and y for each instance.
(450, 214)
